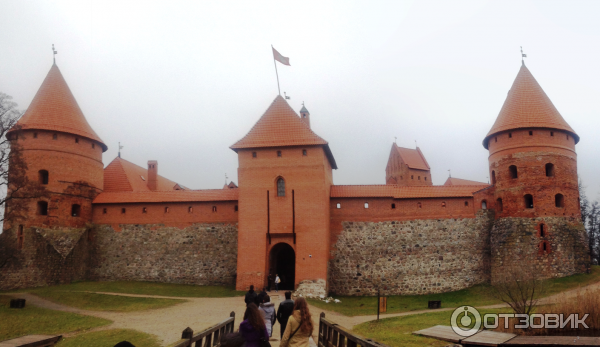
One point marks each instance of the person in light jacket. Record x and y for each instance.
(267, 309)
(299, 328)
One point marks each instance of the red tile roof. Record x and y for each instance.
(280, 126)
(453, 181)
(413, 158)
(121, 175)
(54, 108)
(403, 192)
(167, 196)
(528, 106)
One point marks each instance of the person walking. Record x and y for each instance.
(284, 311)
(268, 312)
(250, 296)
(299, 327)
(277, 281)
(269, 280)
(259, 298)
(253, 328)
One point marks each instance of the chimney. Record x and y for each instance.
(305, 115)
(152, 174)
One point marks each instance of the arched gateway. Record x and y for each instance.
(282, 261)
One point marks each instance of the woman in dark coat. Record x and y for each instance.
(253, 327)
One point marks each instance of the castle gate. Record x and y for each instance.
(282, 261)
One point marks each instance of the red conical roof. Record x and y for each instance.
(528, 106)
(280, 126)
(54, 108)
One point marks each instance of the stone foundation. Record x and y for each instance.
(311, 288)
(411, 257)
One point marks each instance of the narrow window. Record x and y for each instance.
(235, 208)
(75, 210)
(466, 203)
(443, 204)
(412, 177)
(393, 206)
(499, 204)
(510, 135)
(493, 177)
(484, 205)
(35, 135)
(43, 176)
(279, 153)
(104, 211)
(253, 154)
(425, 178)
(513, 171)
(549, 170)
(544, 247)
(123, 210)
(528, 201)
(338, 205)
(559, 200)
(144, 210)
(190, 209)
(166, 210)
(93, 145)
(419, 205)
(419, 178)
(366, 205)
(280, 187)
(530, 133)
(54, 136)
(542, 230)
(552, 133)
(76, 140)
(304, 152)
(20, 237)
(214, 209)
(42, 208)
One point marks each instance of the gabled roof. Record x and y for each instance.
(231, 185)
(54, 108)
(412, 157)
(122, 175)
(280, 126)
(528, 106)
(404, 192)
(167, 196)
(453, 181)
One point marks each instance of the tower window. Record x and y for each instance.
(214, 208)
(493, 177)
(484, 205)
(166, 210)
(419, 205)
(552, 133)
(425, 178)
(530, 133)
(528, 201)
(366, 205)
(443, 204)
(235, 208)
(499, 204)
(75, 210)
(544, 247)
(279, 153)
(76, 140)
(542, 230)
(419, 178)
(513, 171)
(42, 208)
(338, 205)
(510, 135)
(304, 152)
(466, 203)
(280, 187)
(43, 176)
(412, 177)
(93, 145)
(144, 210)
(496, 139)
(190, 209)
(253, 154)
(35, 135)
(559, 200)
(20, 237)
(393, 206)
(54, 136)
(549, 170)
(123, 210)
(104, 211)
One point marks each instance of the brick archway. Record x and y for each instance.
(282, 261)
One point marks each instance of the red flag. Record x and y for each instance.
(280, 58)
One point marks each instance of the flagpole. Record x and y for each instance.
(276, 74)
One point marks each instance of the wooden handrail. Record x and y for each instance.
(333, 335)
(211, 336)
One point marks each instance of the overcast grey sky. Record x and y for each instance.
(180, 82)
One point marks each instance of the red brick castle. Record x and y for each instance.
(126, 222)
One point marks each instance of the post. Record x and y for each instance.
(276, 74)
(378, 302)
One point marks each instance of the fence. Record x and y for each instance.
(210, 337)
(333, 335)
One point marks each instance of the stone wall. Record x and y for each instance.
(202, 254)
(411, 257)
(520, 242)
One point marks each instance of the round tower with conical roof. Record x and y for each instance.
(533, 167)
(62, 153)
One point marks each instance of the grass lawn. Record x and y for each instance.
(147, 288)
(34, 320)
(479, 295)
(397, 331)
(109, 338)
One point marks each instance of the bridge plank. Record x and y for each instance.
(487, 338)
(442, 332)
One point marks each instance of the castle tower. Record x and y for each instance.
(407, 167)
(285, 178)
(305, 115)
(63, 153)
(533, 167)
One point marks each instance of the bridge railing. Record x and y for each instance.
(210, 337)
(333, 335)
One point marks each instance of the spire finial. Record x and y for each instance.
(395, 139)
(120, 148)
(54, 53)
(416, 145)
(226, 178)
(523, 55)
(449, 173)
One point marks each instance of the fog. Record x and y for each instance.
(180, 82)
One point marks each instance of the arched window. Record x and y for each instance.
(549, 170)
(235, 208)
(559, 200)
(280, 187)
(542, 230)
(499, 204)
(190, 209)
(419, 205)
(493, 177)
(75, 210)
(214, 209)
(484, 205)
(366, 205)
(43, 176)
(338, 205)
(466, 203)
(393, 206)
(544, 248)
(144, 210)
(443, 204)
(166, 210)
(528, 201)
(42, 208)
(513, 171)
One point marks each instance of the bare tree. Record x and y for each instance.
(520, 287)
(15, 187)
